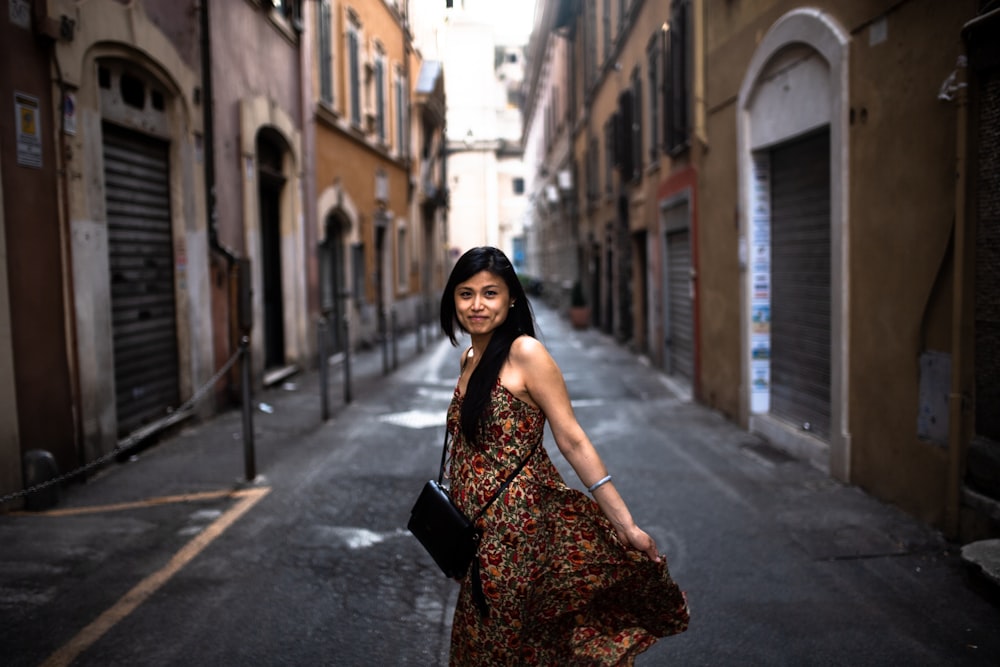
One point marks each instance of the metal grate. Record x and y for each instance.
(800, 279)
(142, 277)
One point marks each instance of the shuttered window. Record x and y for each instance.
(325, 48)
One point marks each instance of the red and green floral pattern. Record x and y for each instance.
(562, 589)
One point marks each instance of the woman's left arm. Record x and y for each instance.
(544, 383)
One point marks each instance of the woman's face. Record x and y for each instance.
(482, 303)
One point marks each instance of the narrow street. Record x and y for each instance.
(312, 564)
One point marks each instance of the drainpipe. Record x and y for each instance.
(208, 122)
(69, 284)
(958, 397)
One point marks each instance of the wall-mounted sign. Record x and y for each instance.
(69, 113)
(29, 131)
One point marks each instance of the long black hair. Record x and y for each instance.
(519, 322)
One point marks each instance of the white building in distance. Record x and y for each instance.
(485, 158)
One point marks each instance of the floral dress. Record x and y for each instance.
(560, 588)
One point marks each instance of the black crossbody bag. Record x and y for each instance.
(450, 537)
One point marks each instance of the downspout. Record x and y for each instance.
(208, 122)
(69, 286)
(957, 397)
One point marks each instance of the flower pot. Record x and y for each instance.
(579, 316)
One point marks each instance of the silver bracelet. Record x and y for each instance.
(599, 483)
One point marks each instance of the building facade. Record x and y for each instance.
(380, 206)
(552, 237)
(806, 192)
(610, 97)
(183, 182)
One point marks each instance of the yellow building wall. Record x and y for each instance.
(350, 158)
(900, 208)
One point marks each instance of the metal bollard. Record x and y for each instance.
(395, 349)
(420, 327)
(249, 463)
(324, 368)
(38, 467)
(384, 334)
(345, 325)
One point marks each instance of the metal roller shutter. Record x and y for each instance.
(987, 281)
(142, 277)
(800, 277)
(680, 330)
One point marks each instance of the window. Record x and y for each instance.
(609, 152)
(590, 45)
(291, 10)
(623, 135)
(518, 186)
(380, 129)
(325, 47)
(677, 93)
(606, 36)
(402, 114)
(636, 127)
(655, 89)
(593, 184)
(354, 70)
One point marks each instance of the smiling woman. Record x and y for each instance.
(559, 579)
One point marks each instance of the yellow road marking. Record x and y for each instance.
(148, 502)
(128, 602)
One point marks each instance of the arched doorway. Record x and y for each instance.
(135, 149)
(792, 128)
(271, 186)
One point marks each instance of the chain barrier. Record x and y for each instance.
(130, 440)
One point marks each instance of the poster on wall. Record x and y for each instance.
(760, 287)
(29, 131)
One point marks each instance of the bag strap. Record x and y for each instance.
(444, 455)
(510, 478)
(503, 487)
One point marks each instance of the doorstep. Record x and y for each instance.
(984, 556)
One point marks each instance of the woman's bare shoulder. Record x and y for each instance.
(528, 350)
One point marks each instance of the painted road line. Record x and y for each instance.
(138, 504)
(128, 602)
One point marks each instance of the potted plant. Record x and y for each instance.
(579, 310)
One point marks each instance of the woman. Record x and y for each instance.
(565, 581)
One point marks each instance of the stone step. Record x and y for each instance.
(984, 556)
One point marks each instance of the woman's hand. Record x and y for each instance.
(639, 540)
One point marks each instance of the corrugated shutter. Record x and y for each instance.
(800, 283)
(988, 260)
(142, 277)
(680, 323)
